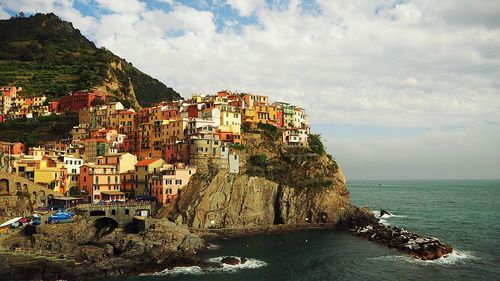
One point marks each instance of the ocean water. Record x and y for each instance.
(463, 213)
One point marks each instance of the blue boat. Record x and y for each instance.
(61, 217)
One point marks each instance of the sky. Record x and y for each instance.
(397, 89)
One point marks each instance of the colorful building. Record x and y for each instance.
(296, 137)
(79, 100)
(143, 169)
(100, 183)
(166, 184)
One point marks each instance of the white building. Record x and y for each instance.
(295, 137)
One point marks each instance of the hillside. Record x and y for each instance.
(46, 55)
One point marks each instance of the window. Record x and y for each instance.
(179, 182)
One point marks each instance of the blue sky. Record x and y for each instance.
(397, 89)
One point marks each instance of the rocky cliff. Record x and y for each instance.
(83, 251)
(286, 186)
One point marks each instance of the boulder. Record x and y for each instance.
(231, 260)
(384, 212)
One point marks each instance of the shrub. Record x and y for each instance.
(238, 146)
(272, 132)
(315, 144)
(259, 160)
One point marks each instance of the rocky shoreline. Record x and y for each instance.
(418, 246)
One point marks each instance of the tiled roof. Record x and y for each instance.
(146, 162)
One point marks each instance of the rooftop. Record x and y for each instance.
(146, 162)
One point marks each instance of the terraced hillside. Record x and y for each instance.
(46, 55)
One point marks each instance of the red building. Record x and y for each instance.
(14, 148)
(53, 106)
(79, 100)
(170, 153)
(192, 110)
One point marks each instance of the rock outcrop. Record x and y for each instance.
(297, 187)
(229, 200)
(82, 256)
(418, 246)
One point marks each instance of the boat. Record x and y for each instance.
(61, 217)
(10, 222)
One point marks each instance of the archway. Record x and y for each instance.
(104, 226)
(35, 197)
(43, 198)
(4, 186)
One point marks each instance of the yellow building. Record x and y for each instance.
(123, 161)
(252, 100)
(230, 117)
(51, 174)
(143, 169)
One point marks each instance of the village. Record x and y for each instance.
(117, 154)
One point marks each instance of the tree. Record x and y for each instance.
(259, 160)
(315, 144)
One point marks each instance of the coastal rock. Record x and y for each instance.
(384, 212)
(228, 200)
(230, 260)
(312, 192)
(418, 246)
(117, 253)
(233, 260)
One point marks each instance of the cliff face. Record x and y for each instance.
(296, 187)
(229, 200)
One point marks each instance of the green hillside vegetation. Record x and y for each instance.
(45, 55)
(36, 131)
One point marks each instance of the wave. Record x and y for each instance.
(181, 270)
(250, 263)
(224, 268)
(376, 213)
(455, 257)
(212, 246)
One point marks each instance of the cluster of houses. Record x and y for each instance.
(13, 105)
(117, 153)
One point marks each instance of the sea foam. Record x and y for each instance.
(455, 257)
(224, 268)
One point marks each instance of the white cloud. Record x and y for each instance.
(246, 7)
(123, 6)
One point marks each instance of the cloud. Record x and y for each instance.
(418, 65)
(435, 154)
(122, 6)
(246, 7)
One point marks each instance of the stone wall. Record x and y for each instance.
(19, 196)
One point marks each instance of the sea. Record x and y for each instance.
(465, 213)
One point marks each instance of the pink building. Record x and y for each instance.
(167, 184)
(100, 183)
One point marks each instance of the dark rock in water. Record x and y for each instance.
(421, 247)
(231, 260)
(384, 212)
(243, 260)
(360, 217)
